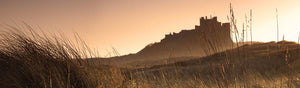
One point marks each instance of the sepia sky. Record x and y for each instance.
(129, 25)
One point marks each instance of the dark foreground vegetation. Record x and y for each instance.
(35, 60)
(31, 60)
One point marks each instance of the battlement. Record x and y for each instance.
(205, 20)
(207, 24)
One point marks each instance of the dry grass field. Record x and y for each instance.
(29, 59)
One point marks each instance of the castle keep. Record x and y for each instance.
(211, 25)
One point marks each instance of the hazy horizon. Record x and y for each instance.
(130, 25)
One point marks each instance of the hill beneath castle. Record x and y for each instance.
(207, 38)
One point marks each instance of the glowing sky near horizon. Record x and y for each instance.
(129, 25)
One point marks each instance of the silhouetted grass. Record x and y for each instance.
(31, 60)
(28, 59)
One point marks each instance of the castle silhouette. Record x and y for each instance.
(208, 38)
